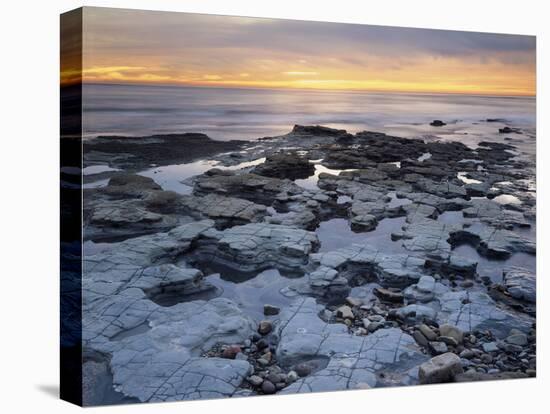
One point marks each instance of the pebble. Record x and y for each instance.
(265, 327)
(517, 339)
(303, 369)
(438, 347)
(268, 387)
(514, 349)
(262, 344)
(420, 339)
(262, 361)
(270, 310)
(274, 377)
(467, 284)
(427, 332)
(389, 295)
(255, 380)
(467, 354)
(353, 301)
(451, 331)
(490, 347)
(449, 340)
(345, 312)
(242, 357)
(231, 351)
(291, 377)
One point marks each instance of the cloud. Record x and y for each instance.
(184, 47)
(298, 73)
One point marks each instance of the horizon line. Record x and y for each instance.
(394, 91)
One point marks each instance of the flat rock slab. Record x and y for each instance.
(521, 284)
(353, 361)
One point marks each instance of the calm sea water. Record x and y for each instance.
(252, 113)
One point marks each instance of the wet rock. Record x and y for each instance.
(508, 130)
(268, 387)
(270, 310)
(388, 295)
(428, 289)
(252, 187)
(349, 360)
(521, 284)
(257, 246)
(467, 354)
(420, 339)
(427, 332)
(519, 339)
(469, 310)
(429, 236)
(226, 211)
(265, 327)
(448, 340)
(415, 313)
(255, 380)
(451, 331)
(437, 123)
(291, 377)
(160, 149)
(426, 284)
(490, 347)
(442, 368)
(362, 264)
(437, 347)
(285, 165)
(462, 265)
(303, 369)
(363, 222)
(345, 312)
(318, 130)
(354, 302)
(231, 351)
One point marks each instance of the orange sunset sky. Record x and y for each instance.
(130, 46)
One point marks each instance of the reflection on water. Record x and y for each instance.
(311, 183)
(507, 199)
(494, 268)
(462, 177)
(96, 169)
(424, 157)
(252, 294)
(170, 177)
(336, 233)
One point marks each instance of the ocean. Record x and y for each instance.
(248, 114)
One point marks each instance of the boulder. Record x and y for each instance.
(441, 368)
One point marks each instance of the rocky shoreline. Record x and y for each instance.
(175, 307)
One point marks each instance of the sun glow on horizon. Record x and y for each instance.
(129, 46)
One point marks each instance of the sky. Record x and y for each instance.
(130, 46)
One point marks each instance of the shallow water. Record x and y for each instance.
(336, 234)
(97, 169)
(311, 182)
(494, 268)
(507, 199)
(251, 295)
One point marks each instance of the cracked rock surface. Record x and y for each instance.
(318, 260)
